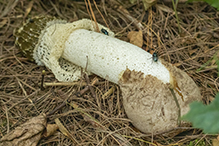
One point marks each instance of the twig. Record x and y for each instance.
(92, 13)
(177, 104)
(62, 105)
(177, 18)
(90, 86)
(100, 13)
(64, 84)
(125, 13)
(42, 80)
(88, 80)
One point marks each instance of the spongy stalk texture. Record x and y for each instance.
(109, 57)
(51, 45)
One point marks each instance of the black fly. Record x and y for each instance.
(155, 57)
(104, 31)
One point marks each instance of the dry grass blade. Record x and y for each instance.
(64, 84)
(110, 91)
(92, 13)
(65, 131)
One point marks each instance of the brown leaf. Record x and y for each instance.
(27, 134)
(215, 142)
(50, 130)
(29, 7)
(3, 22)
(136, 38)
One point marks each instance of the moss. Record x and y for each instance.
(197, 142)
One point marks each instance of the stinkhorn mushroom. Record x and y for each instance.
(66, 48)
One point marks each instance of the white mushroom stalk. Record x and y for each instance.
(66, 48)
(106, 56)
(109, 57)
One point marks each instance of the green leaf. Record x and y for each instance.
(217, 62)
(205, 117)
(213, 3)
(194, 1)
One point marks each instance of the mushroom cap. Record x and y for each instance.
(27, 36)
(149, 103)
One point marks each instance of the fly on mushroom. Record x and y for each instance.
(104, 31)
(155, 57)
(154, 54)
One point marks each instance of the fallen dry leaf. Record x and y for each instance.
(50, 130)
(136, 38)
(28, 9)
(27, 134)
(215, 142)
(3, 22)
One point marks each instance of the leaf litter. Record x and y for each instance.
(20, 79)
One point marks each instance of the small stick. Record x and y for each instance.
(80, 93)
(90, 86)
(177, 104)
(176, 14)
(42, 80)
(64, 84)
(88, 80)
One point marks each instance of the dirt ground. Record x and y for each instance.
(188, 47)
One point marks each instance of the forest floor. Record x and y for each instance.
(188, 46)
